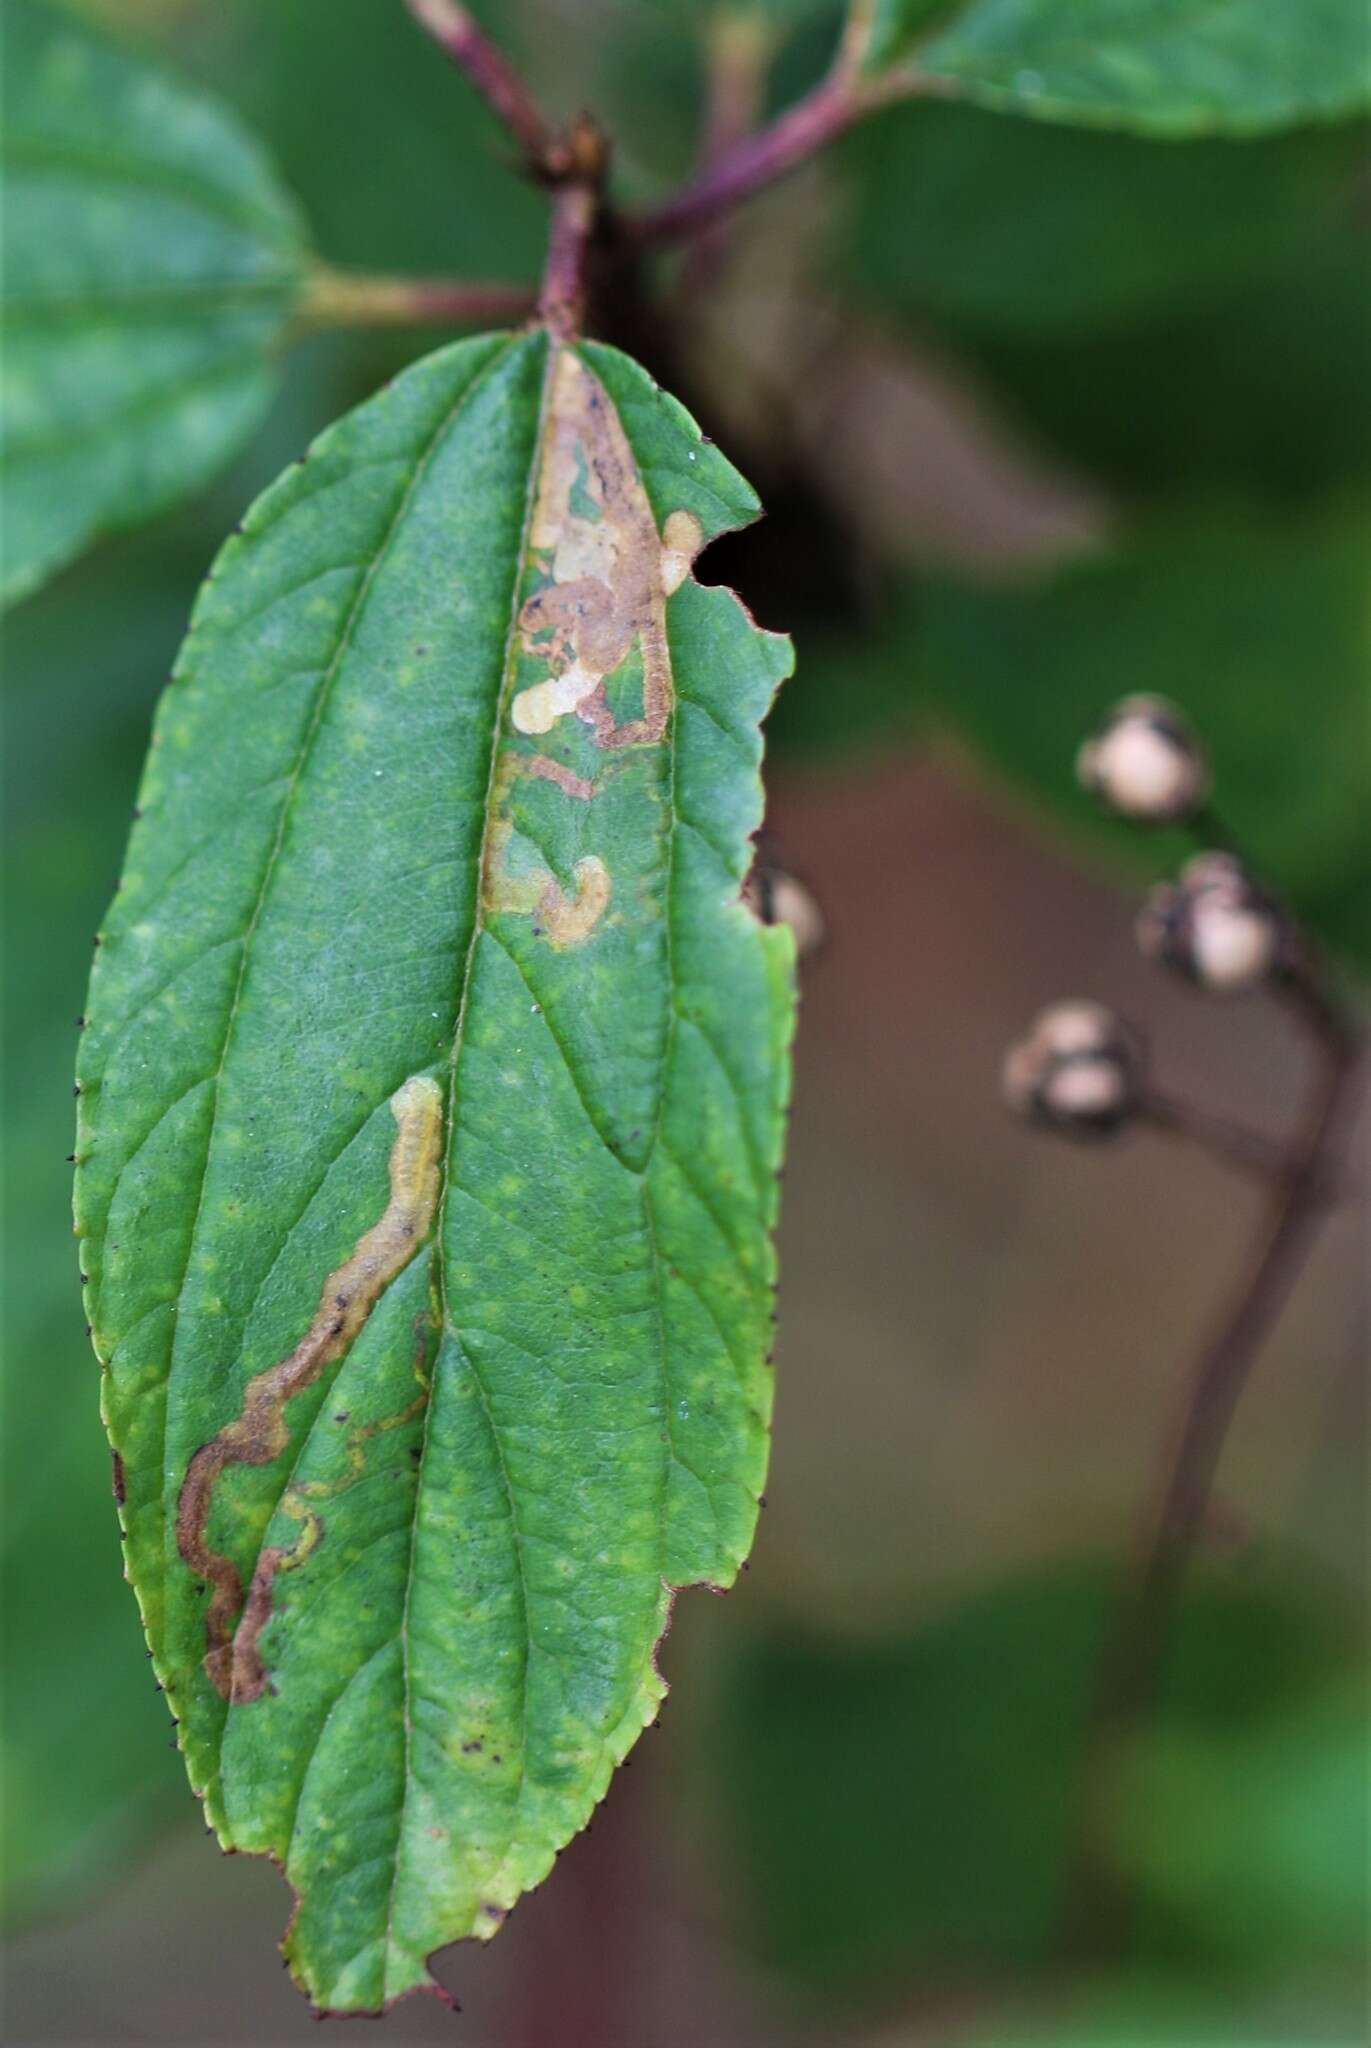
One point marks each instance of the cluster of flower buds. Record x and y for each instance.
(1216, 926)
(1146, 763)
(1079, 1071)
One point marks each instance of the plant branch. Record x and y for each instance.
(1232, 1143)
(490, 71)
(576, 202)
(759, 159)
(1293, 1219)
(346, 298)
(739, 46)
(1134, 1662)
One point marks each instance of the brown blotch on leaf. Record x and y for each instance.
(611, 572)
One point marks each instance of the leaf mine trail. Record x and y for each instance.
(609, 574)
(260, 1432)
(602, 576)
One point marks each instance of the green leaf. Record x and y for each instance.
(150, 262)
(1263, 393)
(898, 26)
(1162, 67)
(430, 1116)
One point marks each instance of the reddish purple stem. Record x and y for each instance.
(493, 76)
(760, 159)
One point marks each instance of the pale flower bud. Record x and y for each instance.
(1216, 926)
(1079, 1071)
(1145, 763)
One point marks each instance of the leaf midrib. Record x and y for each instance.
(478, 927)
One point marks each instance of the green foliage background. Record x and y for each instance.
(1185, 327)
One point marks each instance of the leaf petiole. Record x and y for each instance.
(344, 298)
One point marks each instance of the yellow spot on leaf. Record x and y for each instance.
(682, 538)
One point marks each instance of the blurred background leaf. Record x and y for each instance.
(1164, 68)
(1260, 393)
(1118, 228)
(150, 263)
